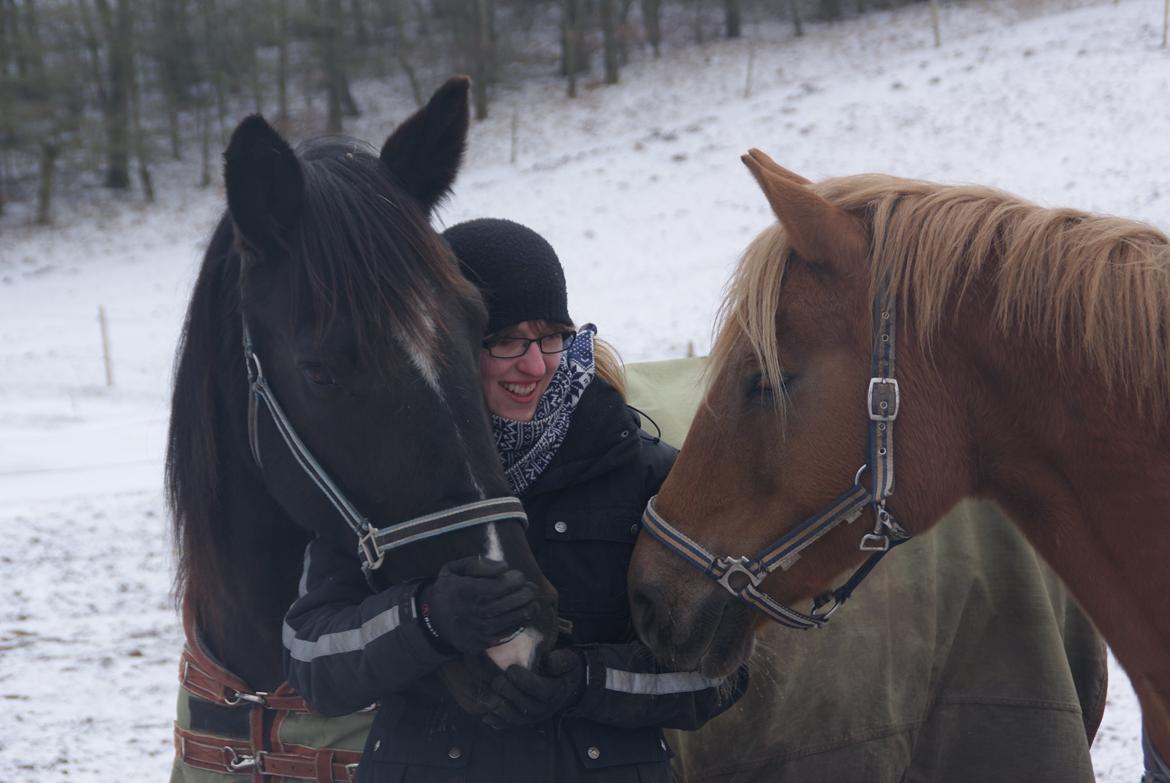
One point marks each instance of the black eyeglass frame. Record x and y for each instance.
(568, 337)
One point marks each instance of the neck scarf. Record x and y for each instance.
(526, 447)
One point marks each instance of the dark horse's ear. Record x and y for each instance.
(817, 229)
(265, 185)
(424, 153)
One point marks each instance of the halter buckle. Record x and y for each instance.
(730, 566)
(874, 542)
(369, 550)
(884, 397)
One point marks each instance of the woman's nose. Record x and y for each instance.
(532, 362)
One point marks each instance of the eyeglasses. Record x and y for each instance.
(512, 347)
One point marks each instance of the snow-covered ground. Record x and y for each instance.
(639, 188)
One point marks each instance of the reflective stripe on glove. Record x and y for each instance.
(474, 603)
(525, 697)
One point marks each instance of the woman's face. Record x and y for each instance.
(512, 387)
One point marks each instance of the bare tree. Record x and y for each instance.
(574, 55)
(732, 18)
(609, 38)
(117, 25)
(652, 22)
(794, 12)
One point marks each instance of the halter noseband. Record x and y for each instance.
(373, 542)
(742, 576)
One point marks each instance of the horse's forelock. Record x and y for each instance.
(748, 311)
(366, 252)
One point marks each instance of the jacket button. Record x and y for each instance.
(560, 527)
(377, 744)
(455, 752)
(625, 433)
(634, 530)
(593, 752)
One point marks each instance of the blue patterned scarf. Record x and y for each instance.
(526, 447)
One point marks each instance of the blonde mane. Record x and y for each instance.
(1096, 285)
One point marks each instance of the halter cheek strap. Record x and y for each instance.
(742, 576)
(373, 542)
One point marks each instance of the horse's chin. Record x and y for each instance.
(731, 644)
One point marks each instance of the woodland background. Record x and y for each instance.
(96, 93)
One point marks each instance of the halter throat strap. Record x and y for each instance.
(373, 542)
(742, 576)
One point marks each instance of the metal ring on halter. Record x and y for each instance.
(733, 566)
(857, 475)
(822, 600)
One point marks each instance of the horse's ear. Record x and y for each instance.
(776, 168)
(817, 230)
(424, 153)
(264, 182)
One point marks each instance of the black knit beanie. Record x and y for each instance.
(515, 268)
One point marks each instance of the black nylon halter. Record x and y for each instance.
(742, 576)
(373, 542)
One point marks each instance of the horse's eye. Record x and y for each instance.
(318, 374)
(759, 388)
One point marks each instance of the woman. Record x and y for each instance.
(595, 708)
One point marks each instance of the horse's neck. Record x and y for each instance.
(260, 572)
(1086, 475)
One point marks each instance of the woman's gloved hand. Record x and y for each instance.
(474, 603)
(526, 697)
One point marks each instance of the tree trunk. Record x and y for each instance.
(361, 35)
(732, 18)
(141, 146)
(336, 87)
(203, 119)
(118, 28)
(49, 154)
(797, 25)
(569, 43)
(176, 66)
(652, 23)
(697, 22)
(609, 36)
(934, 23)
(282, 62)
(482, 55)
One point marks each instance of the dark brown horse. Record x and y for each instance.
(1032, 368)
(327, 384)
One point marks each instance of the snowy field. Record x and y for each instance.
(639, 188)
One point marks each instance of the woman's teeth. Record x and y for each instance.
(520, 389)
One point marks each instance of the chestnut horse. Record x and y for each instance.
(1032, 367)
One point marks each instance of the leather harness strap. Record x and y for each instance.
(231, 756)
(261, 755)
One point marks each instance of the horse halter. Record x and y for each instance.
(373, 542)
(742, 576)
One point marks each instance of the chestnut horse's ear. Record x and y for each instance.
(264, 183)
(776, 168)
(817, 230)
(424, 153)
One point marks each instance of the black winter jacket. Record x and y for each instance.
(346, 646)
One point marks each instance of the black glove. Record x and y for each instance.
(526, 697)
(474, 603)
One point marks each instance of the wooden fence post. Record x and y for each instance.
(105, 328)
